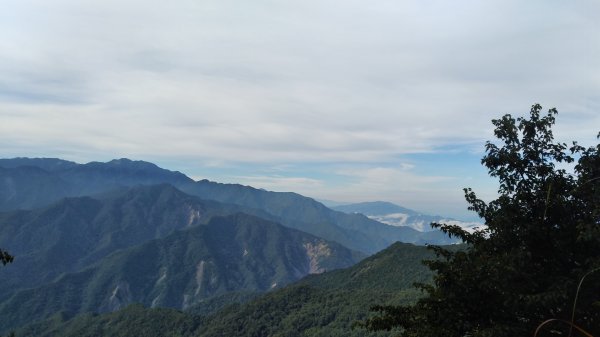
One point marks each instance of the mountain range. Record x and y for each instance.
(100, 237)
(394, 215)
(22, 178)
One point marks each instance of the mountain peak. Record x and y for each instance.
(126, 162)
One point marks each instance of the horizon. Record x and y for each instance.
(343, 101)
(326, 202)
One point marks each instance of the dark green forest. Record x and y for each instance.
(329, 304)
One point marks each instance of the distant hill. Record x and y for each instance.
(58, 179)
(232, 253)
(319, 305)
(374, 208)
(395, 215)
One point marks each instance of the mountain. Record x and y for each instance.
(96, 177)
(355, 231)
(325, 304)
(232, 253)
(328, 304)
(47, 164)
(27, 183)
(74, 233)
(374, 208)
(98, 237)
(394, 215)
(65, 179)
(27, 187)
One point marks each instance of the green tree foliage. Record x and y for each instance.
(542, 237)
(134, 320)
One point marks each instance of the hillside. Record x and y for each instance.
(355, 231)
(134, 320)
(319, 305)
(233, 253)
(28, 187)
(330, 303)
(76, 232)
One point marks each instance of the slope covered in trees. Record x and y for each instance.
(233, 253)
(327, 304)
(76, 232)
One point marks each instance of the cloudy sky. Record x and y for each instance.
(341, 100)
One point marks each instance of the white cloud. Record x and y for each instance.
(271, 82)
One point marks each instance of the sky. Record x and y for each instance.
(338, 100)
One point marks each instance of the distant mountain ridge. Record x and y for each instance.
(27, 183)
(395, 215)
(48, 164)
(374, 208)
(67, 179)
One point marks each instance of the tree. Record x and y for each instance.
(542, 237)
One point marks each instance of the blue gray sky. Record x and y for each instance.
(341, 100)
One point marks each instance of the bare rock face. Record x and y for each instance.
(193, 215)
(315, 252)
(119, 298)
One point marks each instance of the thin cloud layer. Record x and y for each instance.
(332, 83)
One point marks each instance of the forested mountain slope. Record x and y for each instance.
(327, 304)
(232, 253)
(76, 232)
